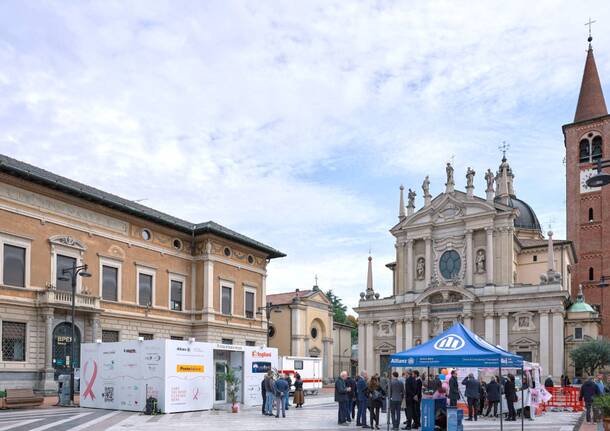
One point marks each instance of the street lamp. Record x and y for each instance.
(70, 274)
(601, 178)
(267, 310)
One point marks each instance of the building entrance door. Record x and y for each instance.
(220, 387)
(62, 348)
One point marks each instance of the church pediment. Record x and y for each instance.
(445, 294)
(524, 343)
(319, 297)
(385, 347)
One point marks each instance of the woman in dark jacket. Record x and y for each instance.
(299, 396)
(511, 397)
(482, 395)
(375, 399)
(493, 396)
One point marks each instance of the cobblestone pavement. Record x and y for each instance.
(319, 414)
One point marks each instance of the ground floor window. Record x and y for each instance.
(146, 336)
(110, 336)
(13, 341)
(227, 341)
(250, 343)
(176, 337)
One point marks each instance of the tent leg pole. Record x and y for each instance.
(501, 391)
(522, 400)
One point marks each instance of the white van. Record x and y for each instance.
(310, 370)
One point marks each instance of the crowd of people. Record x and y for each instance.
(276, 393)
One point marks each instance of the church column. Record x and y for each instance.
(328, 358)
(469, 258)
(544, 341)
(468, 315)
(428, 266)
(361, 345)
(489, 258)
(370, 348)
(504, 331)
(398, 334)
(409, 268)
(558, 342)
(490, 327)
(408, 333)
(400, 265)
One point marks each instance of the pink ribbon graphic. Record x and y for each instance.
(196, 394)
(89, 383)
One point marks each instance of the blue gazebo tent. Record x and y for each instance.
(459, 347)
(456, 347)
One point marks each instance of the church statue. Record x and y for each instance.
(489, 177)
(480, 262)
(470, 178)
(420, 269)
(449, 169)
(411, 199)
(426, 186)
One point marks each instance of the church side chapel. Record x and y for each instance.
(481, 261)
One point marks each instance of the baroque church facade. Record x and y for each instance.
(485, 262)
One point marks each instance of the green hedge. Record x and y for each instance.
(2, 394)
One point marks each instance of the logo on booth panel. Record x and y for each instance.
(450, 342)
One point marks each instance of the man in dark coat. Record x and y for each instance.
(493, 396)
(588, 391)
(342, 396)
(454, 389)
(351, 383)
(473, 393)
(510, 392)
(418, 394)
(362, 398)
(548, 383)
(410, 393)
(264, 394)
(397, 392)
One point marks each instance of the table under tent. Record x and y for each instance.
(459, 347)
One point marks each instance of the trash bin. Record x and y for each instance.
(63, 391)
(427, 414)
(455, 419)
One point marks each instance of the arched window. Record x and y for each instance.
(596, 148)
(590, 214)
(591, 275)
(584, 152)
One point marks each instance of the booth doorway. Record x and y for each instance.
(220, 387)
(62, 348)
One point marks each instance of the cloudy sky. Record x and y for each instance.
(295, 122)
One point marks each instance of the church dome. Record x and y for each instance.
(527, 217)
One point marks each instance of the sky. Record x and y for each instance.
(295, 122)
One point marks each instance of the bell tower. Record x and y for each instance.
(587, 139)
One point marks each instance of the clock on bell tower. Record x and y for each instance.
(587, 140)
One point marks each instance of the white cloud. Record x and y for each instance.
(294, 122)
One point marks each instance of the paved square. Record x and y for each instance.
(319, 414)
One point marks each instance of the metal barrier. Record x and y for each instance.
(564, 398)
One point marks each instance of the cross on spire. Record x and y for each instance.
(316, 278)
(589, 24)
(504, 148)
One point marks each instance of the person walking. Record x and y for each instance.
(264, 395)
(384, 382)
(351, 402)
(410, 392)
(419, 386)
(454, 389)
(548, 383)
(281, 393)
(375, 399)
(588, 391)
(362, 399)
(510, 392)
(473, 393)
(298, 398)
(493, 396)
(341, 397)
(287, 399)
(269, 391)
(396, 395)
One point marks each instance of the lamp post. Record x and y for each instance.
(70, 274)
(267, 310)
(600, 179)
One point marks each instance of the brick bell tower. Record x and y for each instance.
(587, 140)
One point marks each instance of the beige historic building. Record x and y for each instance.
(301, 324)
(342, 353)
(152, 275)
(482, 261)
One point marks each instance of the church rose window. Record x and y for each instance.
(450, 264)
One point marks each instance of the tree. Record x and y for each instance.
(352, 320)
(592, 355)
(339, 310)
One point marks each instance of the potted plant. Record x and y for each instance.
(232, 381)
(2, 396)
(602, 403)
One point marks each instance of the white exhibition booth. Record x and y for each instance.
(181, 375)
